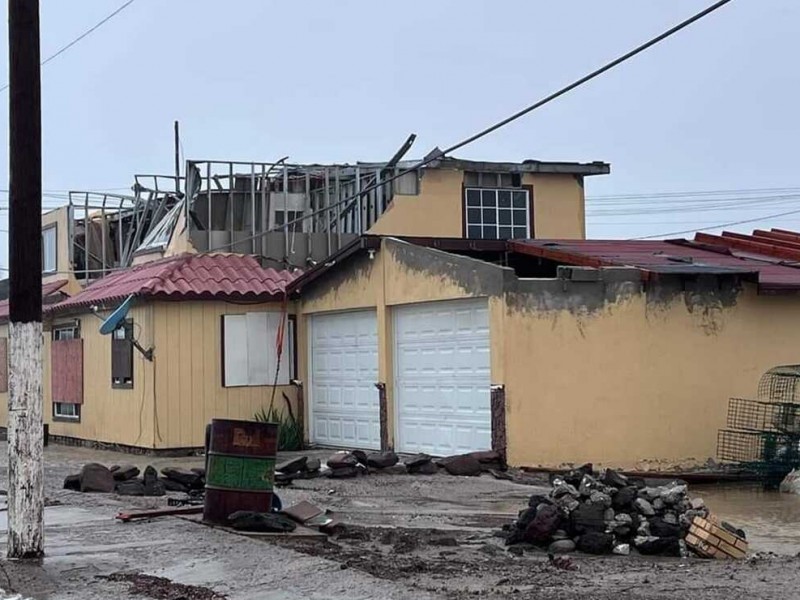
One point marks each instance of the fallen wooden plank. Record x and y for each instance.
(166, 512)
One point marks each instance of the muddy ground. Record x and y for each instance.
(406, 537)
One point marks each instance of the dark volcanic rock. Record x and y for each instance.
(587, 518)
(660, 528)
(595, 542)
(72, 482)
(428, 468)
(412, 462)
(130, 487)
(184, 476)
(96, 478)
(543, 525)
(381, 460)
(561, 547)
(659, 546)
(199, 471)
(464, 464)
(125, 472)
(342, 460)
(612, 478)
(398, 469)
(172, 486)
(265, 522)
(295, 465)
(313, 464)
(344, 472)
(361, 456)
(624, 497)
(152, 486)
(537, 499)
(575, 476)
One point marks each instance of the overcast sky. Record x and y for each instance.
(713, 108)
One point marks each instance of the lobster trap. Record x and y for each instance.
(763, 435)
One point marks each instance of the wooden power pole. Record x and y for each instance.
(25, 430)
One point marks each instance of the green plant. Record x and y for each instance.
(290, 433)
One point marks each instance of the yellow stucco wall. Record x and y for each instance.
(637, 385)
(188, 362)
(59, 218)
(438, 210)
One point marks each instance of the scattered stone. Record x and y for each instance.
(428, 468)
(342, 460)
(170, 486)
(200, 471)
(697, 504)
(286, 478)
(543, 525)
(130, 487)
(650, 493)
(644, 507)
(464, 464)
(152, 486)
(186, 477)
(575, 476)
(612, 478)
(313, 464)
(588, 485)
(561, 547)
(361, 456)
(658, 505)
(670, 517)
(503, 475)
(381, 460)
(344, 472)
(562, 488)
(608, 515)
(416, 461)
(537, 499)
(588, 518)
(95, 477)
(595, 542)
(244, 520)
(398, 469)
(517, 549)
(125, 472)
(622, 549)
(560, 534)
(294, 465)
(72, 482)
(674, 494)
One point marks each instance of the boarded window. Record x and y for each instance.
(66, 375)
(122, 356)
(250, 356)
(3, 365)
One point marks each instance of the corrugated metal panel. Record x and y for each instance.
(67, 371)
(3, 365)
(48, 289)
(188, 277)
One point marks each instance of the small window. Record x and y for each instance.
(288, 216)
(122, 356)
(65, 332)
(497, 214)
(407, 184)
(68, 412)
(49, 250)
(249, 356)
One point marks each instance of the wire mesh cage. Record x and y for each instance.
(754, 415)
(770, 454)
(780, 384)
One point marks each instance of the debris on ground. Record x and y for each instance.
(245, 520)
(127, 480)
(615, 514)
(162, 588)
(791, 483)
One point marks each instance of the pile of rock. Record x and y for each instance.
(605, 514)
(125, 480)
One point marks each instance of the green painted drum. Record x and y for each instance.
(240, 468)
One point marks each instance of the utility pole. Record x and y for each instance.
(25, 443)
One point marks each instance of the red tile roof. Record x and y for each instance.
(188, 277)
(48, 290)
(771, 258)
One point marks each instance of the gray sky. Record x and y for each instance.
(713, 108)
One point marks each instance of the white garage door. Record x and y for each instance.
(344, 370)
(442, 377)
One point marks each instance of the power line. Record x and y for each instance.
(81, 36)
(731, 224)
(745, 191)
(439, 154)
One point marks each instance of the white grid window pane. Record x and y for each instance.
(493, 214)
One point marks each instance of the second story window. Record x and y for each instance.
(49, 250)
(497, 214)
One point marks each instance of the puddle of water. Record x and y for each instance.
(61, 515)
(771, 519)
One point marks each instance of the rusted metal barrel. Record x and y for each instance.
(240, 468)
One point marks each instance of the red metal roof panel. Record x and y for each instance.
(48, 289)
